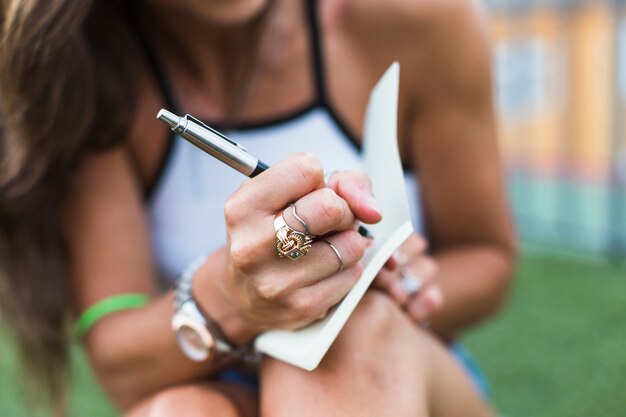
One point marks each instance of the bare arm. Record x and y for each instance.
(245, 287)
(133, 352)
(453, 144)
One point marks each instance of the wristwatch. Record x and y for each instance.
(199, 337)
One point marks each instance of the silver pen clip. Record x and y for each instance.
(215, 132)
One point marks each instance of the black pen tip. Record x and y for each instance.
(365, 233)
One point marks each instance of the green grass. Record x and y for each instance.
(86, 398)
(558, 350)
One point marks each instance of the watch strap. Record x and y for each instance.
(183, 291)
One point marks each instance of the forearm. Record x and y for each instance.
(244, 287)
(134, 353)
(474, 281)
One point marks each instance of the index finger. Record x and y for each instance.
(283, 183)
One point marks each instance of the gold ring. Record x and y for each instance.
(289, 242)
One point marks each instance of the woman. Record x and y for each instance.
(81, 84)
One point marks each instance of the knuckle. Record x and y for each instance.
(322, 314)
(305, 308)
(233, 209)
(271, 290)
(309, 167)
(330, 207)
(242, 255)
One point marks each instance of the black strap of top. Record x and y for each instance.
(318, 69)
(317, 58)
(167, 92)
(316, 52)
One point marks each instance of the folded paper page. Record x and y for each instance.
(306, 347)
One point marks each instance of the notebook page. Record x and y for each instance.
(306, 347)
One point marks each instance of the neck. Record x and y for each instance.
(210, 56)
(200, 45)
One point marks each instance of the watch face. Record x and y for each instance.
(191, 338)
(194, 340)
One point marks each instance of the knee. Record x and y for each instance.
(188, 401)
(375, 316)
(379, 324)
(376, 322)
(378, 335)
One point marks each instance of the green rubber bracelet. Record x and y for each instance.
(108, 306)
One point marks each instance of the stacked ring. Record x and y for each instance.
(302, 222)
(291, 243)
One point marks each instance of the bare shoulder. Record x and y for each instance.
(411, 12)
(443, 41)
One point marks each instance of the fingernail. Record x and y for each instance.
(368, 243)
(372, 203)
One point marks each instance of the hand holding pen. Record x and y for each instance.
(237, 157)
(292, 251)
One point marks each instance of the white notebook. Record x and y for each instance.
(306, 347)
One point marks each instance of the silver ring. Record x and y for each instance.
(336, 253)
(302, 222)
(411, 283)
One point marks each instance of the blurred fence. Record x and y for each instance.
(560, 69)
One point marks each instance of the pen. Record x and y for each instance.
(213, 142)
(219, 146)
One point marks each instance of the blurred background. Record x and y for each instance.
(561, 82)
(559, 348)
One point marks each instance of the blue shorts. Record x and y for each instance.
(472, 369)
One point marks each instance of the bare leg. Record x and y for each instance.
(201, 399)
(381, 365)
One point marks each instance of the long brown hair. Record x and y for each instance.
(61, 64)
(57, 71)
